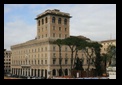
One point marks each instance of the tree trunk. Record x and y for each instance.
(75, 57)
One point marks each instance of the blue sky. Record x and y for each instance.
(95, 21)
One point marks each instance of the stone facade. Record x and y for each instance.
(40, 58)
(7, 61)
(106, 43)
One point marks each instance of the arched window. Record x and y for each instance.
(42, 21)
(39, 23)
(54, 72)
(46, 20)
(59, 21)
(65, 21)
(53, 20)
(66, 71)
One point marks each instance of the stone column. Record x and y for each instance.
(22, 72)
(57, 72)
(17, 71)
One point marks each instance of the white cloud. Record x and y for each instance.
(95, 21)
(18, 32)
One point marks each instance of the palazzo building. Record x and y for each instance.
(40, 58)
(7, 61)
(106, 43)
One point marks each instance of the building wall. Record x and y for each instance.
(7, 61)
(106, 43)
(40, 54)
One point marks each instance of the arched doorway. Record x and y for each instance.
(35, 72)
(60, 72)
(54, 72)
(45, 73)
(42, 73)
(38, 72)
(66, 72)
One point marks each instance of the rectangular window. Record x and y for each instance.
(59, 28)
(53, 54)
(66, 60)
(35, 61)
(41, 61)
(46, 35)
(38, 61)
(42, 49)
(66, 36)
(53, 34)
(54, 61)
(45, 61)
(59, 35)
(53, 48)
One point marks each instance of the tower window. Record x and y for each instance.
(54, 61)
(66, 60)
(41, 61)
(53, 34)
(46, 35)
(65, 29)
(45, 61)
(66, 36)
(53, 48)
(42, 21)
(59, 21)
(53, 20)
(59, 28)
(39, 23)
(65, 21)
(46, 20)
(59, 35)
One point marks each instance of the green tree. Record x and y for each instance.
(111, 52)
(87, 48)
(79, 64)
(98, 59)
(105, 61)
(59, 43)
(73, 43)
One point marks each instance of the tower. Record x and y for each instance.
(53, 24)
